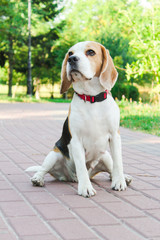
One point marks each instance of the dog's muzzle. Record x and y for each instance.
(73, 60)
(74, 69)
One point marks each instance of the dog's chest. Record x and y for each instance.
(91, 126)
(95, 135)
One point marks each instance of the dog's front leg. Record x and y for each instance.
(118, 179)
(78, 154)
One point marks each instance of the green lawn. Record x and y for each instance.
(140, 116)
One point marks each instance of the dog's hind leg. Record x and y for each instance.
(48, 164)
(105, 164)
(108, 163)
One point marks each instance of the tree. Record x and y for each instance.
(145, 44)
(43, 40)
(14, 35)
(12, 31)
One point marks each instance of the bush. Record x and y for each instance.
(129, 91)
(133, 93)
(119, 90)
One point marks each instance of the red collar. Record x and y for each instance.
(92, 99)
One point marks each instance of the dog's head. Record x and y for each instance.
(87, 60)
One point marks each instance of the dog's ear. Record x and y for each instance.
(109, 74)
(65, 83)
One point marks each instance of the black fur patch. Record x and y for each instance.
(62, 143)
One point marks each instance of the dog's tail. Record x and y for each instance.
(33, 169)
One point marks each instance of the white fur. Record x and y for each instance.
(92, 126)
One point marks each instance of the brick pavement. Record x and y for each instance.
(27, 133)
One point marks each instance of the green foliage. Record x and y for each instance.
(18, 77)
(43, 40)
(3, 75)
(145, 44)
(13, 22)
(139, 116)
(14, 38)
(120, 90)
(133, 93)
(129, 91)
(13, 30)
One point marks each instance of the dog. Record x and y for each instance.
(92, 123)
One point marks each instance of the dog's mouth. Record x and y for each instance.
(77, 75)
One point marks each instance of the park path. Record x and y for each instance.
(27, 133)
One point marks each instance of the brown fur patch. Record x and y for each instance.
(55, 149)
(65, 82)
(96, 60)
(68, 119)
(108, 74)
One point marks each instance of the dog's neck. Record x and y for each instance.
(89, 87)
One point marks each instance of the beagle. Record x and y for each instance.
(92, 123)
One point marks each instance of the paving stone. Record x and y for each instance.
(155, 213)
(54, 211)
(5, 235)
(4, 185)
(15, 209)
(36, 198)
(9, 168)
(146, 226)
(9, 195)
(142, 202)
(28, 225)
(104, 196)
(22, 178)
(40, 237)
(28, 187)
(119, 232)
(74, 201)
(2, 223)
(72, 229)
(95, 216)
(122, 209)
(155, 193)
(60, 188)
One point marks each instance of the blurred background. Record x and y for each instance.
(45, 30)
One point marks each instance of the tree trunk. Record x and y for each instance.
(29, 79)
(10, 55)
(52, 92)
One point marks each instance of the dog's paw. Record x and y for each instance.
(118, 183)
(128, 179)
(37, 180)
(86, 190)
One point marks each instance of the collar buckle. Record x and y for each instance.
(92, 99)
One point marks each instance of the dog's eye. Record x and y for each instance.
(90, 52)
(70, 54)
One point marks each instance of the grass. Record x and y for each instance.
(28, 99)
(134, 115)
(140, 116)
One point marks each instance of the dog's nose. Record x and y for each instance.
(73, 60)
